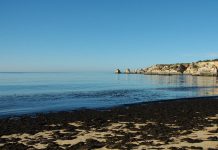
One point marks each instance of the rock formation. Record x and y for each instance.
(201, 68)
(166, 69)
(127, 71)
(117, 71)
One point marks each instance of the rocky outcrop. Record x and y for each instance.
(165, 69)
(127, 71)
(139, 71)
(201, 68)
(117, 71)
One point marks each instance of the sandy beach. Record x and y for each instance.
(108, 75)
(172, 124)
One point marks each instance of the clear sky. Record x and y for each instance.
(78, 35)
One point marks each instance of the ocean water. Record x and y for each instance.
(27, 93)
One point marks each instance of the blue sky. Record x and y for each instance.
(78, 35)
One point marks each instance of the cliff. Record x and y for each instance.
(200, 68)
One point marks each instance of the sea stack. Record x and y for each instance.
(117, 71)
(127, 71)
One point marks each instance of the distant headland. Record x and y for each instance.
(200, 68)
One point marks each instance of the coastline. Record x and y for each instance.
(171, 124)
(200, 68)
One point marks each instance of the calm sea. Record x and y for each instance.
(25, 93)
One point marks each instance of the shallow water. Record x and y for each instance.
(24, 93)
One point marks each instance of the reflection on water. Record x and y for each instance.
(180, 80)
(202, 85)
(22, 93)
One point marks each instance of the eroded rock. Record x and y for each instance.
(201, 68)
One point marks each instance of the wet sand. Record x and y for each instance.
(173, 124)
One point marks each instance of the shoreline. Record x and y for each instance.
(172, 124)
(104, 108)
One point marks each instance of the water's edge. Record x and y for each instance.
(108, 108)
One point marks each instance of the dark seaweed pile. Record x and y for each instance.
(188, 114)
